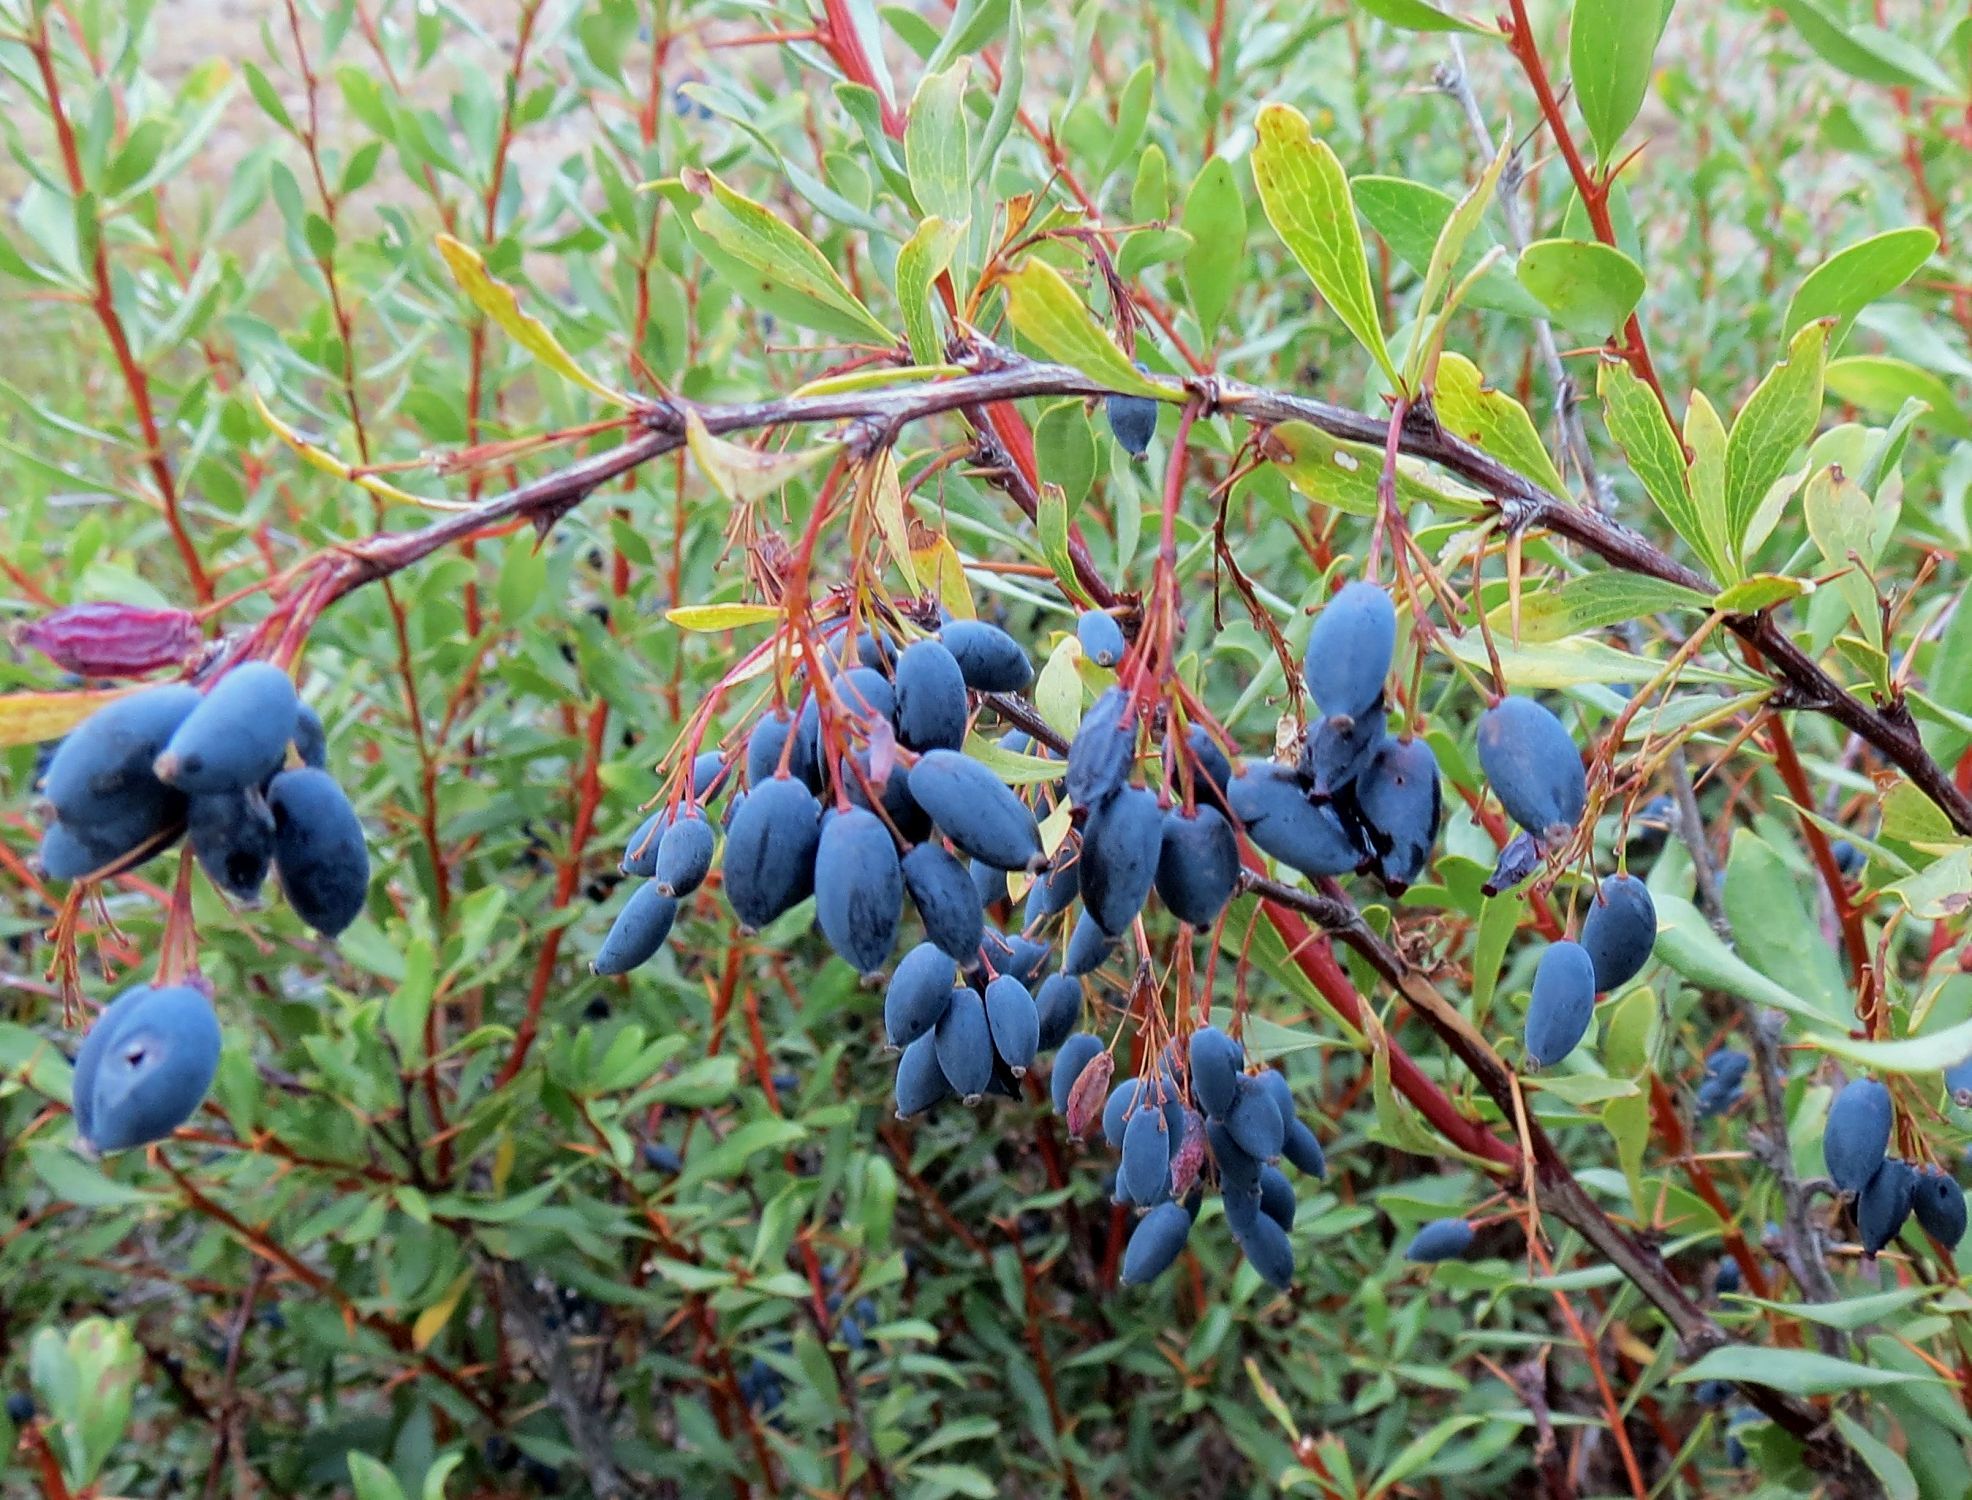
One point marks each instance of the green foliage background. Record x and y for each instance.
(377, 1251)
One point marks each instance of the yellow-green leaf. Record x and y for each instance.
(938, 566)
(1447, 252)
(1777, 418)
(706, 617)
(1638, 424)
(744, 474)
(1587, 286)
(1417, 15)
(920, 263)
(1762, 591)
(769, 262)
(1855, 276)
(1705, 436)
(1044, 307)
(31, 718)
(1591, 602)
(1051, 522)
(1881, 383)
(1493, 420)
(502, 304)
(318, 457)
(1306, 196)
(885, 498)
(1343, 475)
(433, 1319)
(1011, 766)
(935, 145)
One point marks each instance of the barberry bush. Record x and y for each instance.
(985, 749)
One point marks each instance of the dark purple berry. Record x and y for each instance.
(1266, 1248)
(237, 736)
(1021, 957)
(1103, 750)
(921, 1080)
(770, 850)
(1155, 1244)
(1145, 1173)
(1939, 1204)
(1132, 421)
(1089, 947)
(965, 1045)
(106, 760)
(1534, 767)
(931, 702)
(144, 1067)
(859, 889)
(1254, 1121)
(1014, 1023)
(1520, 857)
(991, 660)
(1272, 805)
(1077, 1051)
(1277, 1196)
(1197, 864)
(1857, 1133)
(1398, 798)
(1562, 1005)
(319, 852)
(1349, 651)
(946, 900)
(684, 853)
(976, 810)
(919, 994)
(1206, 763)
(1339, 752)
(1058, 1010)
(1620, 930)
(232, 834)
(765, 744)
(640, 853)
(311, 740)
(1120, 846)
(1303, 1148)
(1217, 1064)
(1441, 1239)
(637, 933)
(1884, 1203)
(1958, 1082)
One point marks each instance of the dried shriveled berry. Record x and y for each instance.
(104, 639)
(1197, 864)
(1103, 750)
(1254, 1121)
(1884, 1203)
(991, 660)
(1101, 637)
(859, 888)
(1266, 1248)
(1145, 1173)
(1155, 1244)
(931, 702)
(1519, 858)
(1132, 421)
(1398, 798)
(1857, 1133)
(1058, 1010)
(921, 1081)
(232, 834)
(965, 1045)
(1120, 847)
(638, 931)
(1562, 1005)
(1217, 1063)
(1349, 651)
(1939, 1204)
(1441, 1239)
(684, 853)
(144, 1067)
(1533, 766)
(920, 993)
(1014, 1023)
(977, 811)
(319, 852)
(237, 736)
(1271, 803)
(946, 899)
(1077, 1051)
(1089, 947)
(770, 850)
(1620, 930)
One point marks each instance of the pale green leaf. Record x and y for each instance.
(1589, 287)
(1637, 422)
(743, 474)
(1593, 602)
(1417, 15)
(1800, 1372)
(924, 258)
(1776, 420)
(1343, 475)
(1493, 420)
(1046, 310)
(1411, 216)
(1855, 276)
(936, 146)
(1882, 383)
(1610, 46)
(1215, 218)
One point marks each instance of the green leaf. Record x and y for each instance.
(1011, 766)
(1446, 254)
(1914, 1054)
(1215, 218)
(936, 148)
(1762, 591)
(1051, 528)
(502, 304)
(1865, 52)
(1851, 1313)
(1046, 310)
(1006, 104)
(1881, 383)
(1065, 450)
(1609, 52)
(1306, 196)
(71, 1178)
(769, 263)
(1938, 891)
(1855, 276)
(370, 1479)
(1637, 422)
(924, 258)
(1686, 942)
(1411, 216)
(1777, 930)
(1586, 286)
(1150, 193)
(1132, 110)
(1799, 1372)
(1841, 520)
(1592, 602)
(1552, 665)
(1883, 1460)
(1493, 420)
(1777, 419)
(1417, 15)
(1705, 437)
(1343, 475)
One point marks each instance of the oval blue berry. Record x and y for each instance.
(637, 933)
(1077, 1052)
(976, 810)
(991, 660)
(1197, 864)
(1857, 1133)
(1103, 750)
(1563, 1003)
(859, 889)
(1101, 637)
(1533, 766)
(1441, 1239)
(1217, 1063)
(684, 854)
(1349, 651)
(1014, 1023)
(965, 1045)
(1155, 1244)
(145, 1066)
(1620, 930)
(1271, 803)
(770, 850)
(919, 994)
(319, 851)
(931, 701)
(946, 900)
(237, 736)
